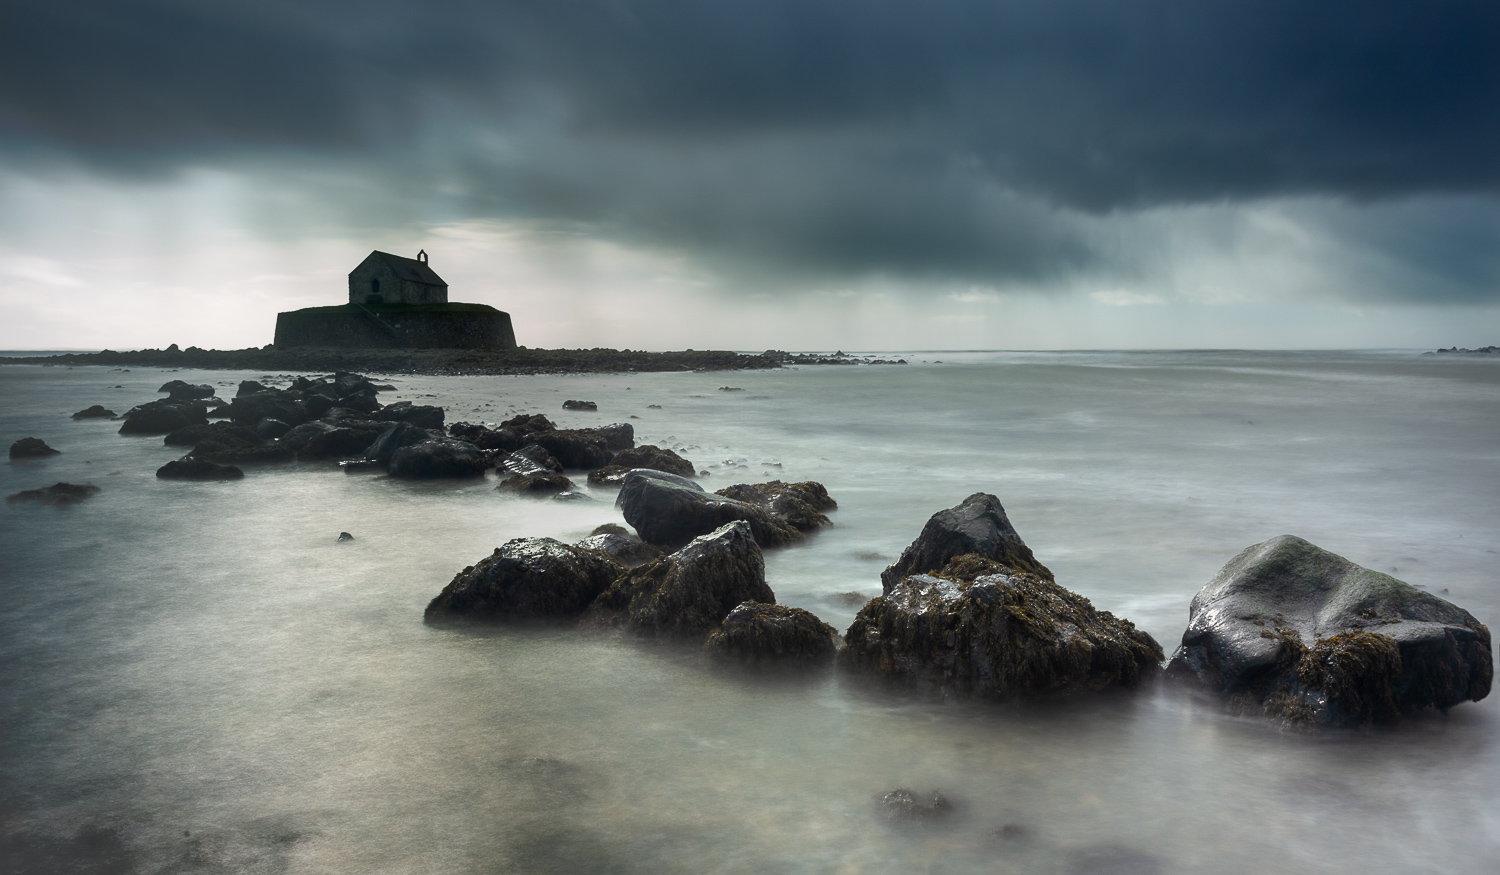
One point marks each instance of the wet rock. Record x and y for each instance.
(618, 436)
(361, 466)
(525, 425)
(345, 536)
(669, 511)
(630, 551)
(686, 595)
(438, 458)
(486, 438)
(983, 629)
(97, 411)
(978, 525)
(187, 435)
(31, 448)
(536, 485)
(906, 806)
(251, 387)
(572, 495)
(248, 410)
(317, 405)
(182, 391)
(188, 468)
(56, 495)
(300, 435)
(1298, 633)
(527, 579)
(646, 456)
(849, 599)
(765, 635)
(580, 405)
(574, 448)
(537, 455)
(364, 401)
(351, 439)
(800, 504)
(162, 417)
(271, 429)
(614, 529)
(395, 436)
(421, 415)
(227, 443)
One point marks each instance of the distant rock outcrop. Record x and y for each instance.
(56, 495)
(31, 448)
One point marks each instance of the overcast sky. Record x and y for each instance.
(778, 173)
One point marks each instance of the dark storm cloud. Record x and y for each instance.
(958, 136)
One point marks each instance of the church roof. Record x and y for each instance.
(409, 268)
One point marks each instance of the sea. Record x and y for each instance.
(199, 677)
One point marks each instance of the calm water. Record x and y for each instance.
(197, 678)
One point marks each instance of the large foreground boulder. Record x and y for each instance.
(773, 636)
(527, 579)
(670, 511)
(979, 526)
(688, 594)
(799, 504)
(438, 458)
(980, 628)
(1302, 634)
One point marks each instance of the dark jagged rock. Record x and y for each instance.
(978, 525)
(251, 387)
(179, 390)
(526, 425)
(537, 455)
(188, 468)
(618, 436)
(630, 551)
(56, 495)
(515, 463)
(580, 405)
(574, 448)
(98, 411)
(773, 636)
(317, 405)
(536, 484)
(396, 436)
(668, 510)
(31, 448)
(422, 415)
(187, 435)
(1299, 633)
(162, 417)
(300, 435)
(364, 401)
(686, 595)
(247, 410)
(527, 579)
(908, 807)
(486, 438)
(272, 429)
(438, 458)
(800, 504)
(224, 431)
(645, 456)
(980, 628)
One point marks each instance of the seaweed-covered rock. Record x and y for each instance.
(669, 511)
(162, 417)
(981, 628)
(686, 595)
(1299, 633)
(574, 448)
(438, 457)
(538, 485)
(421, 415)
(978, 525)
(188, 468)
(773, 636)
(629, 550)
(97, 411)
(527, 579)
(31, 448)
(56, 495)
(800, 504)
(645, 456)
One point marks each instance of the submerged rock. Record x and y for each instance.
(539, 485)
(773, 636)
(527, 579)
(56, 495)
(800, 504)
(979, 526)
(188, 468)
(670, 511)
(646, 456)
(686, 595)
(31, 448)
(980, 628)
(97, 411)
(162, 417)
(438, 458)
(1299, 633)
(906, 806)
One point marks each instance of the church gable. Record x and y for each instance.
(383, 278)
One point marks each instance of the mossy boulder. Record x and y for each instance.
(688, 594)
(1293, 631)
(56, 495)
(31, 448)
(978, 525)
(163, 417)
(983, 629)
(773, 636)
(669, 511)
(527, 579)
(188, 468)
(800, 504)
(438, 458)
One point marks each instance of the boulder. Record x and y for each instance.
(765, 635)
(188, 468)
(1298, 633)
(364, 401)
(539, 485)
(646, 456)
(299, 435)
(486, 438)
(56, 495)
(31, 448)
(525, 425)
(978, 525)
(162, 417)
(629, 551)
(800, 504)
(574, 448)
(98, 411)
(534, 454)
(527, 579)
(686, 595)
(613, 529)
(669, 511)
(618, 436)
(421, 415)
(580, 405)
(980, 628)
(351, 439)
(396, 436)
(345, 537)
(227, 443)
(438, 457)
(182, 391)
(248, 410)
(271, 429)
(251, 387)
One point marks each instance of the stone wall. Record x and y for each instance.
(394, 326)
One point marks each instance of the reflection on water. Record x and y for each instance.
(198, 678)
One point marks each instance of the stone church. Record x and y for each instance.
(383, 278)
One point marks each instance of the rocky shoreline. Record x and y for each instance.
(447, 362)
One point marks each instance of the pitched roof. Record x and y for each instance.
(409, 269)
